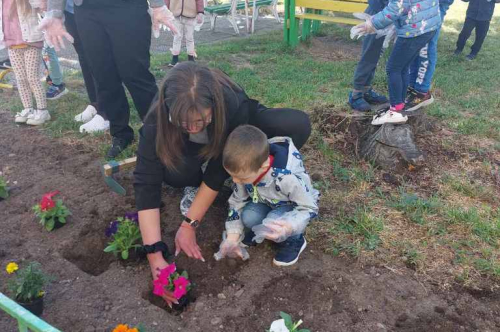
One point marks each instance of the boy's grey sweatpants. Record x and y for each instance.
(185, 28)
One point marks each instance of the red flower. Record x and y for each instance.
(47, 202)
(181, 285)
(158, 287)
(418, 5)
(388, 16)
(413, 25)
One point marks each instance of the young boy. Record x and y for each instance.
(273, 197)
(479, 14)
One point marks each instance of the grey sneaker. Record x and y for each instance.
(38, 117)
(189, 194)
(24, 115)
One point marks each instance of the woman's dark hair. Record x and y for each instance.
(188, 90)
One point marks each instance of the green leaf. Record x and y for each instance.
(125, 254)
(49, 225)
(304, 330)
(62, 220)
(185, 274)
(111, 247)
(287, 318)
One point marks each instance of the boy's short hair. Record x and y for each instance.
(246, 150)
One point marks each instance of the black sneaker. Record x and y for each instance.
(457, 52)
(471, 57)
(416, 100)
(118, 145)
(288, 252)
(375, 98)
(175, 59)
(191, 58)
(248, 239)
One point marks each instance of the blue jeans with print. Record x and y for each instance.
(254, 213)
(398, 76)
(423, 67)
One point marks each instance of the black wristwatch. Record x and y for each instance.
(193, 223)
(151, 249)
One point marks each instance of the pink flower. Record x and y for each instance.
(158, 287)
(166, 273)
(181, 285)
(388, 16)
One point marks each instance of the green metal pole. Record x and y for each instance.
(26, 320)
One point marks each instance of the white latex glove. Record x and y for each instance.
(276, 230)
(231, 247)
(55, 32)
(39, 4)
(363, 29)
(162, 16)
(199, 18)
(390, 36)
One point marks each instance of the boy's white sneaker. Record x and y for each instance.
(23, 116)
(95, 125)
(38, 117)
(86, 115)
(389, 116)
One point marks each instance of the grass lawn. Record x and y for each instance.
(443, 220)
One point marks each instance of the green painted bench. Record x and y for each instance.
(314, 14)
(229, 10)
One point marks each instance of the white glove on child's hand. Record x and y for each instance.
(231, 247)
(199, 18)
(276, 230)
(55, 32)
(363, 29)
(162, 16)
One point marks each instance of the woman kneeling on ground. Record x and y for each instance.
(186, 127)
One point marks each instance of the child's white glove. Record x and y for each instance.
(55, 32)
(162, 16)
(231, 247)
(389, 33)
(363, 29)
(276, 230)
(199, 18)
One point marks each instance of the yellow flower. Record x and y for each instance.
(121, 328)
(41, 293)
(12, 267)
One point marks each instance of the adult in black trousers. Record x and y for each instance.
(479, 14)
(116, 36)
(88, 78)
(118, 53)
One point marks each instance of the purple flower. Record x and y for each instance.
(134, 216)
(112, 228)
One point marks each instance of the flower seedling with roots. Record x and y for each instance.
(51, 213)
(125, 235)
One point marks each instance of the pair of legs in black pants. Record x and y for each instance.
(88, 78)
(116, 37)
(482, 28)
(273, 122)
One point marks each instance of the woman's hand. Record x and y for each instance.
(157, 263)
(185, 240)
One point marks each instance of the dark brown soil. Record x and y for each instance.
(93, 291)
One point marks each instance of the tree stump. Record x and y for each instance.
(391, 147)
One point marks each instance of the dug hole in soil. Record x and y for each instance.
(94, 291)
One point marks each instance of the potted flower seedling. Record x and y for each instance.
(28, 286)
(286, 324)
(52, 213)
(4, 190)
(124, 235)
(170, 280)
(126, 328)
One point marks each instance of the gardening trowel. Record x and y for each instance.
(114, 167)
